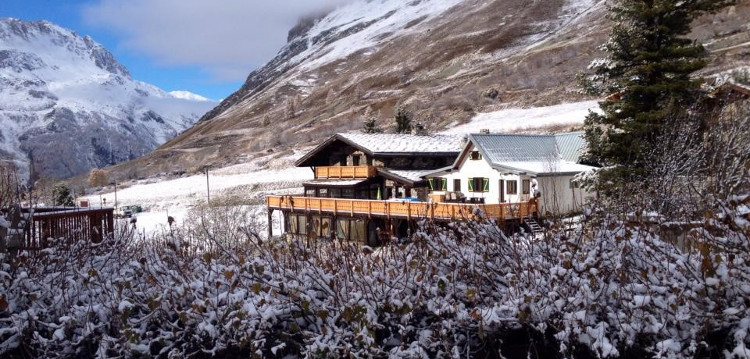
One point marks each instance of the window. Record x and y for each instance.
(355, 160)
(302, 224)
(438, 184)
(525, 186)
(297, 224)
(325, 227)
(358, 230)
(322, 192)
(342, 228)
(475, 155)
(479, 184)
(457, 185)
(335, 193)
(293, 225)
(512, 187)
(310, 192)
(347, 193)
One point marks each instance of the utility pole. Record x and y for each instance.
(208, 189)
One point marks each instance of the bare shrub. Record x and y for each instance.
(98, 178)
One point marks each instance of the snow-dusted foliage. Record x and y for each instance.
(465, 290)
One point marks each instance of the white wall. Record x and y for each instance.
(558, 198)
(480, 168)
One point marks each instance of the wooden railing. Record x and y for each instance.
(345, 172)
(408, 209)
(72, 224)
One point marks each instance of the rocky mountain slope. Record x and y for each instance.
(445, 60)
(66, 104)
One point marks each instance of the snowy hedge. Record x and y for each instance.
(610, 289)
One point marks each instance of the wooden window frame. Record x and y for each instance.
(479, 184)
(511, 186)
(475, 155)
(525, 186)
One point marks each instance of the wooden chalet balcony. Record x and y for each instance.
(338, 172)
(399, 209)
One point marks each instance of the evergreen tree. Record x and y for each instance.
(370, 122)
(646, 78)
(61, 196)
(403, 120)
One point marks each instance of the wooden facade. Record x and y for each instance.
(377, 219)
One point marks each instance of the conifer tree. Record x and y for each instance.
(646, 78)
(61, 196)
(403, 120)
(370, 122)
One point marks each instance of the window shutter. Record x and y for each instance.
(431, 181)
(485, 184)
(444, 184)
(471, 185)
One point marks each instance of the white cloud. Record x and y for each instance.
(227, 38)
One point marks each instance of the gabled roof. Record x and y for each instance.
(392, 144)
(383, 143)
(571, 145)
(533, 154)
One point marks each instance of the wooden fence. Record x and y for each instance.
(71, 224)
(401, 209)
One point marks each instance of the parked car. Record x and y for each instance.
(124, 212)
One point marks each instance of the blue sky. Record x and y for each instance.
(193, 45)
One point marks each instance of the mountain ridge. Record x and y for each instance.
(67, 105)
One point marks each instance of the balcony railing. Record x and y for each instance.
(401, 209)
(338, 172)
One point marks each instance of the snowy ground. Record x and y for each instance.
(175, 197)
(520, 119)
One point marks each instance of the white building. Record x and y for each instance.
(500, 168)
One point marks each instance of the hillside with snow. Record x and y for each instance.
(67, 105)
(448, 62)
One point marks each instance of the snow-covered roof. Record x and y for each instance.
(335, 182)
(391, 144)
(404, 143)
(410, 175)
(539, 154)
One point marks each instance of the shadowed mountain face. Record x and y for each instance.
(445, 60)
(66, 104)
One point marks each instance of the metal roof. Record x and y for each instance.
(497, 148)
(531, 153)
(571, 145)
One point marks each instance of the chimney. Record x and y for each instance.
(419, 130)
(464, 141)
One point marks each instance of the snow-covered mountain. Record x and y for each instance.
(447, 61)
(66, 104)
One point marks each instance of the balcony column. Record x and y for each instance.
(270, 223)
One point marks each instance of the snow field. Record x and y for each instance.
(519, 119)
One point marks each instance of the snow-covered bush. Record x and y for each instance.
(609, 289)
